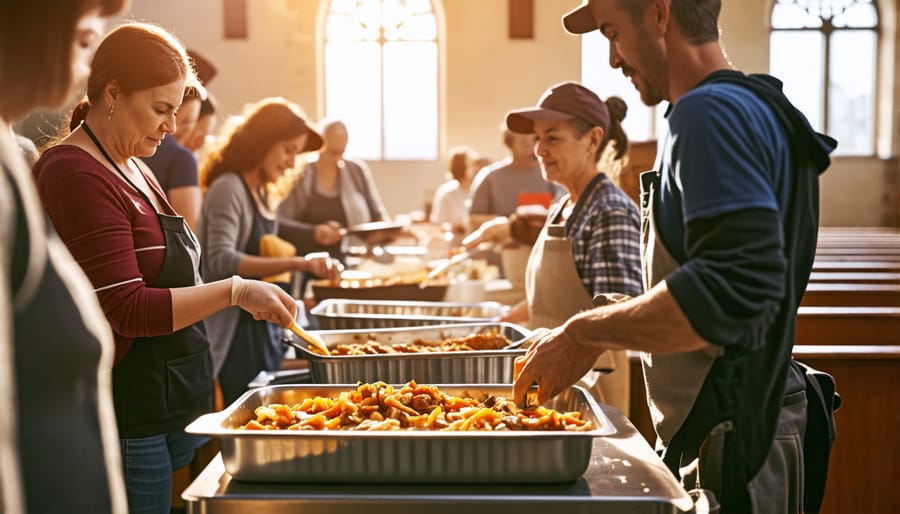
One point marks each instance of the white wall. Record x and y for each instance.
(488, 74)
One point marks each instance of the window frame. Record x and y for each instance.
(827, 29)
(437, 10)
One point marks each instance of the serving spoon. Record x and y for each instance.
(310, 339)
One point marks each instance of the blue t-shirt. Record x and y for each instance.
(173, 164)
(725, 151)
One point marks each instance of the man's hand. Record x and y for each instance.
(555, 361)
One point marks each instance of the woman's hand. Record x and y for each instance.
(264, 301)
(322, 265)
(327, 234)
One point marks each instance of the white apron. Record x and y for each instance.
(555, 293)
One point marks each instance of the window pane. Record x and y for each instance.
(368, 14)
(409, 21)
(859, 15)
(410, 100)
(418, 6)
(419, 27)
(342, 6)
(788, 15)
(797, 58)
(851, 91)
(598, 76)
(353, 93)
(340, 27)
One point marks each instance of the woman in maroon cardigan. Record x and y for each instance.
(140, 256)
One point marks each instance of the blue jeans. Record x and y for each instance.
(148, 463)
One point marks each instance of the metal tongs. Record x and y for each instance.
(442, 268)
(453, 261)
(310, 339)
(527, 340)
(525, 343)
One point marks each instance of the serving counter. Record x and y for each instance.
(624, 476)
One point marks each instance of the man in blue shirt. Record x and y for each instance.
(729, 234)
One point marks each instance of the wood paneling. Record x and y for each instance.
(848, 325)
(865, 459)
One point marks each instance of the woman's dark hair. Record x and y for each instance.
(137, 56)
(613, 133)
(265, 124)
(36, 38)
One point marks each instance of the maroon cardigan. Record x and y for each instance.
(114, 234)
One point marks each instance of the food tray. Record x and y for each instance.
(401, 456)
(431, 293)
(340, 314)
(475, 367)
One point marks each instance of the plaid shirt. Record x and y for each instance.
(605, 228)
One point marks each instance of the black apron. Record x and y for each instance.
(256, 344)
(164, 382)
(322, 209)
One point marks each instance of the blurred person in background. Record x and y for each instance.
(330, 194)
(498, 191)
(141, 257)
(196, 138)
(238, 228)
(175, 166)
(451, 198)
(503, 186)
(58, 442)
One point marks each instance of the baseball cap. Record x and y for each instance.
(563, 101)
(580, 20)
(314, 140)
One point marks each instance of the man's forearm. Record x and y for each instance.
(652, 322)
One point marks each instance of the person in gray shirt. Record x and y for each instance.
(501, 187)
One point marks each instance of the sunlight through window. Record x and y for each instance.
(381, 77)
(641, 123)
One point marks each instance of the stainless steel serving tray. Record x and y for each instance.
(401, 456)
(340, 314)
(475, 367)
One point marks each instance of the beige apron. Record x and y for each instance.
(674, 380)
(555, 293)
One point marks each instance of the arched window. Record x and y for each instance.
(381, 76)
(825, 51)
(642, 123)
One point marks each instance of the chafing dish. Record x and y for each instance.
(474, 367)
(401, 456)
(341, 314)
